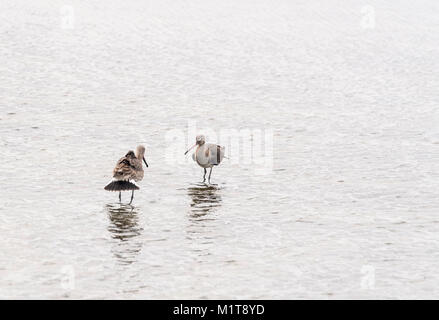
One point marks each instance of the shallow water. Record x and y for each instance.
(349, 208)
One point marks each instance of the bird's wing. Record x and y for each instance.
(124, 169)
(211, 154)
(216, 154)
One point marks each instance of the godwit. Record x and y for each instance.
(207, 155)
(128, 170)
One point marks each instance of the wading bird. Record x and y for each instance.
(206, 155)
(127, 172)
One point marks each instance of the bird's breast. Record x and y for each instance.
(200, 156)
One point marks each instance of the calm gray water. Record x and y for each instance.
(349, 208)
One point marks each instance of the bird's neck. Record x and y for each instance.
(139, 155)
(199, 148)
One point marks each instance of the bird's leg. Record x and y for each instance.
(120, 196)
(132, 196)
(209, 174)
(204, 177)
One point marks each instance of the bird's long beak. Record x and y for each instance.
(190, 149)
(145, 162)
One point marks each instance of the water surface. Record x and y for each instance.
(349, 209)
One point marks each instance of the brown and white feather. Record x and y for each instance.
(127, 171)
(128, 168)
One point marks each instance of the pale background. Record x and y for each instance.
(349, 209)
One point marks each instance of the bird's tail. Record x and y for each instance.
(121, 185)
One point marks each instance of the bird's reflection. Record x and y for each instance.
(205, 198)
(124, 227)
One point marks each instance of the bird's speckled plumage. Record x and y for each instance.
(128, 170)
